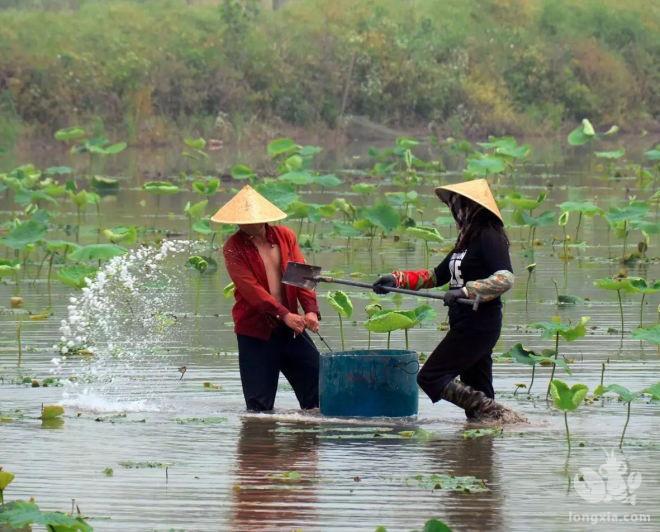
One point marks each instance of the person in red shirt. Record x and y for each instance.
(270, 331)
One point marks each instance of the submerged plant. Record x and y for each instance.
(344, 307)
(554, 329)
(567, 400)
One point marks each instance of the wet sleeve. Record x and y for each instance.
(307, 298)
(246, 283)
(495, 254)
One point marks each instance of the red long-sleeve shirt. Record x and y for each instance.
(256, 312)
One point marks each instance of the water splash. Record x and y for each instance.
(127, 316)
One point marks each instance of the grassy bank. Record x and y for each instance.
(455, 66)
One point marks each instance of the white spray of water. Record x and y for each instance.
(127, 316)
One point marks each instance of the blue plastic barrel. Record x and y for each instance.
(379, 382)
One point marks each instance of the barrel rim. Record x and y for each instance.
(370, 352)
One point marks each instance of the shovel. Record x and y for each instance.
(308, 276)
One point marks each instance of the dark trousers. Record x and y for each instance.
(461, 352)
(261, 361)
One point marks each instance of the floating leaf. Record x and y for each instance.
(281, 194)
(615, 154)
(465, 484)
(161, 187)
(472, 434)
(653, 391)
(624, 393)
(22, 514)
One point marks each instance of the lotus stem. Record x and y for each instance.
(554, 366)
(529, 390)
(577, 229)
(341, 332)
(18, 340)
(405, 331)
(618, 293)
(625, 426)
(388, 339)
(529, 276)
(568, 434)
(602, 373)
(48, 281)
(197, 289)
(368, 340)
(625, 238)
(641, 311)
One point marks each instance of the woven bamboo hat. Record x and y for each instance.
(248, 207)
(477, 190)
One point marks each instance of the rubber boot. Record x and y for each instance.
(477, 405)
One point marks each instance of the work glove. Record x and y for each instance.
(383, 282)
(451, 296)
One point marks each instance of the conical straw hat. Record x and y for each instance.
(248, 207)
(477, 190)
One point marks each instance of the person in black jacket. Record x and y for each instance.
(479, 266)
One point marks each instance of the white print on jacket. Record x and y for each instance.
(456, 277)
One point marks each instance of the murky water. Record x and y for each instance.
(186, 456)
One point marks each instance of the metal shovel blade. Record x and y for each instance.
(301, 275)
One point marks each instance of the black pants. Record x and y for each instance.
(461, 352)
(261, 361)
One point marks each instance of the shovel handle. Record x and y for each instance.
(474, 303)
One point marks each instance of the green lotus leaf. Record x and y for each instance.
(104, 183)
(160, 187)
(383, 216)
(388, 321)
(125, 235)
(242, 171)
(428, 234)
(5, 479)
(582, 134)
(75, 275)
(21, 514)
(281, 146)
(587, 208)
(326, 180)
(565, 398)
(51, 412)
(97, 252)
(614, 154)
(649, 334)
(340, 301)
(70, 134)
(653, 391)
(24, 233)
(624, 393)
(281, 194)
(485, 165)
(195, 144)
(203, 227)
(614, 283)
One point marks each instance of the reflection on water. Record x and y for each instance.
(229, 470)
(268, 493)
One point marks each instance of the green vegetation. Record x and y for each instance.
(462, 66)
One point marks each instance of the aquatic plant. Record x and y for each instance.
(340, 301)
(586, 133)
(639, 285)
(629, 216)
(194, 212)
(567, 400)
(426, 235)
(530, 269)
(530, 358)
(19, 515)
(158, 189)
(388, 321)
(554, 329)
(618, 284)
(584, 209)
(6, 478)
(649, 334)
(200, 265)
(625, 395)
